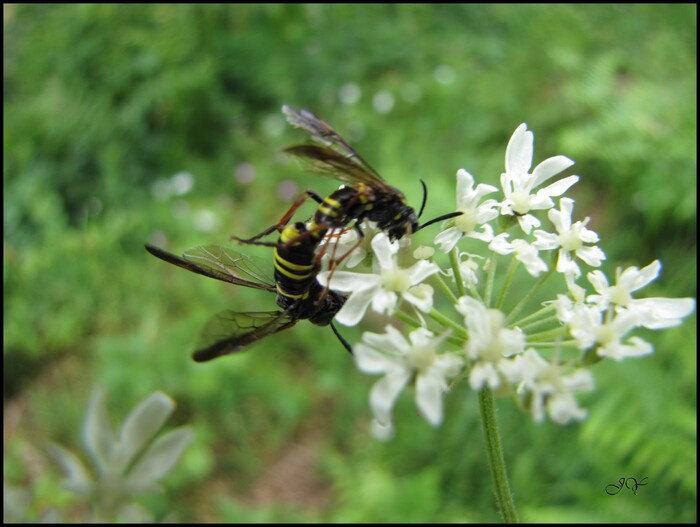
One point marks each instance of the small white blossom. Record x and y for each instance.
(473, 213)
(401, 360)
(383, 288)
(519, 185)
(338, 244)
(570, 240)
(468, 267)
(526, 253)
(547, 388)
(490, 342)
(590, 327)
(654, 313)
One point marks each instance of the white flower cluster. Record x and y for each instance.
(541, 368)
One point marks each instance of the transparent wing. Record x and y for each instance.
(231, 332)
(336, 158)
(219, 263)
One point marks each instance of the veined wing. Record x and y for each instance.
(330, 163)
(219, 263)
(231, 332)
(322, 132)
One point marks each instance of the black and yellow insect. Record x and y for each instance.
(299, 294)
(364, 195)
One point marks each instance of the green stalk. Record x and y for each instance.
(506, 285)
(454, 260)
(445, 288)
(447, 322)
(497, 465)
(519, 307)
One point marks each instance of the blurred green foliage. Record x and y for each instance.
(104, 104)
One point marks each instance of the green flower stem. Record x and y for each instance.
(535, 323)
(506, 285)
(556, 344)
(445, 288)
(519, 307)
(475, 293)
(446, 322)
(489, 281)
(454, 260)
(408, 319)
(546, 335)
(544, 311)
(499, 477)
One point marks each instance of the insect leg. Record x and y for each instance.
(282, 222)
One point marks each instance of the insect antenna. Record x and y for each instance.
(342, 340)
(425, 198)
(440, 218)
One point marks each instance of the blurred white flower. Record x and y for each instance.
(546, 386)
(473, 213)
(401, 360)
(570, 240)
(591, 328)
(525, 253)
(653, 313)
(383, 288)
(519, 185)
(490, 342)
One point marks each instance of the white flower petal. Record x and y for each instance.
(636, 347)
(644, 277)
(519, 150)
(348, 281)
(559, 187)
(549, 168)
(465, 186)
(385, 392)
(382, 431)
(598, 280)
(593, 256)
(384, 301)
(369, 360)
(563, 408)
(528, 222)
(483, 373)
(355, 307)
(545, 241)
(661, 313)
(429, 390)
(486, 234)
(421, 270)
(566, 265)
(501, 245)
(448, 238)
(420, 296)
(384, 250)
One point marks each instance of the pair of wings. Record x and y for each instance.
(336, 159)
(229, 331)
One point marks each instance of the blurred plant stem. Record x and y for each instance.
(497, 465)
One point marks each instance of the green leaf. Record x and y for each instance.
(158, 459)
(98, 435)
(78, 479)
(142, 424)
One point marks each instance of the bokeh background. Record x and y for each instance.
(162, 124)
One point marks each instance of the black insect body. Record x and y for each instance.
(365, 194)
(299, 294)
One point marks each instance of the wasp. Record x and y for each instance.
(364, 194)
(299, 295)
